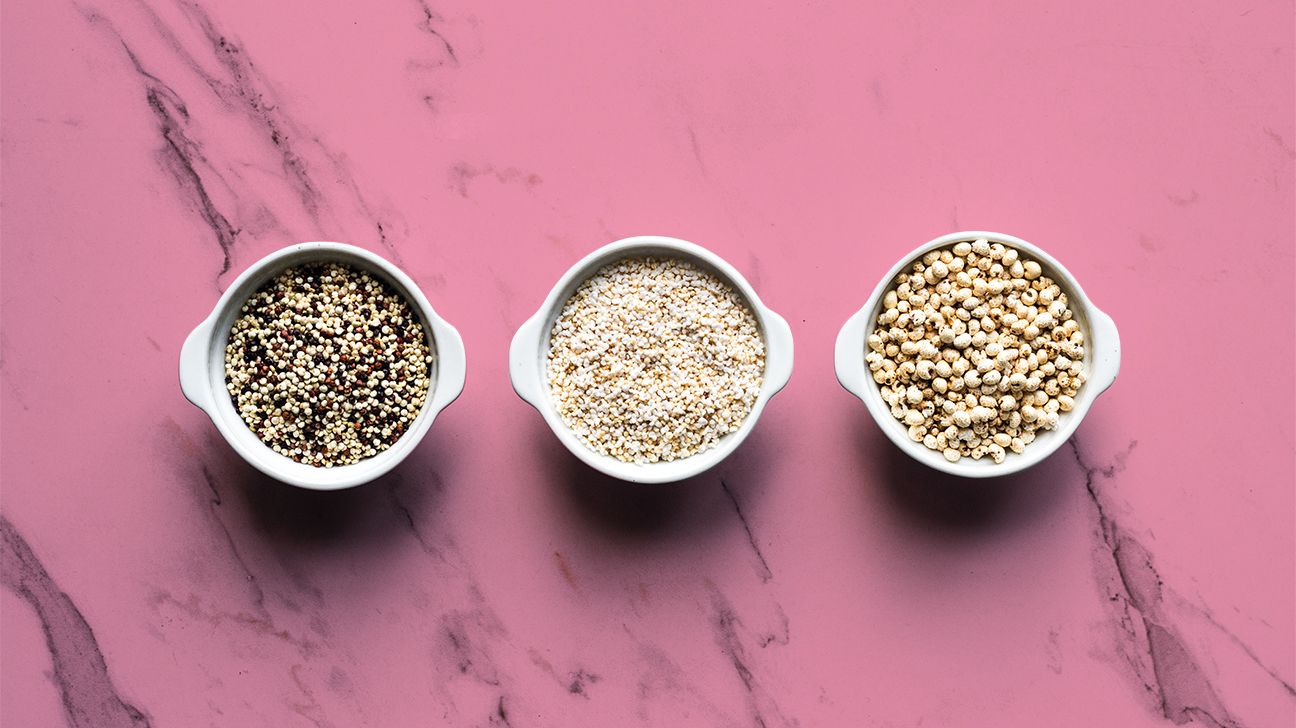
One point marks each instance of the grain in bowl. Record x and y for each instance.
(975, 350)
(653, 359)
(328, 364)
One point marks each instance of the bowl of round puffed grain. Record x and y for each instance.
(978, 354)
(323, 365)
(651, 359)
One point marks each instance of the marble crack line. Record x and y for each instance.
(407, 516)
(764, 572)
(258, 594)
(311, 709)
(663, 680)
(180, 155)
(697, 151)
(244, 91)
(725, 623)
(344, 176)
(463, 174)
(1177, 685)
(427, 25)
(7, 375)
(1246, 649)
(211, 500)
(444, 548)
(90, 700)
(382, 234)
(580, 679)
(251, 90)
(575, 682)
(258, 623)
(501, 714)
(782, 636)
(470, 636)
(241, 86)
(469, 659)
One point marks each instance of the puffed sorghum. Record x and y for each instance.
(654, 359)
(328, 364)
(976, 350)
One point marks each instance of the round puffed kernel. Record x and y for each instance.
(979, 350)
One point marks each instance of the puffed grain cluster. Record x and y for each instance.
(327, 364)
(654, 359)
(976, 350)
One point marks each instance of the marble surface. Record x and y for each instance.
(1142, 576)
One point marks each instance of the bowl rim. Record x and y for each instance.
(1102, 339)
(199, 376)
(527, 355)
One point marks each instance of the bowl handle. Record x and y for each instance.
(452, 365)
(849, 354)
(194, 375)
(779, 354)
(523, 371)
(1106, 349)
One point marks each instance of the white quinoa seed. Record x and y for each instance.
(976, 350)
(654, 359)
(327, 364)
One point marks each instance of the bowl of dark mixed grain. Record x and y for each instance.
(323, 365)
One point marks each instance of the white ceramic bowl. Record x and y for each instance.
(202, 368)
(1102, 344)
(527, 357)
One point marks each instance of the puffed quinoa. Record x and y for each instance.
(989, 351)
(655, 359)
(327, 364)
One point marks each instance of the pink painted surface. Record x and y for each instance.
(1141, 576)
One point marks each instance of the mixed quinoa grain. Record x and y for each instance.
(976, 350)
(327, 364)
(654, 359)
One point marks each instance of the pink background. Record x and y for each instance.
(1141, 576)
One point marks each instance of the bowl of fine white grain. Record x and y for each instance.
(978, 354)
(323, 365)
(651, 359)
